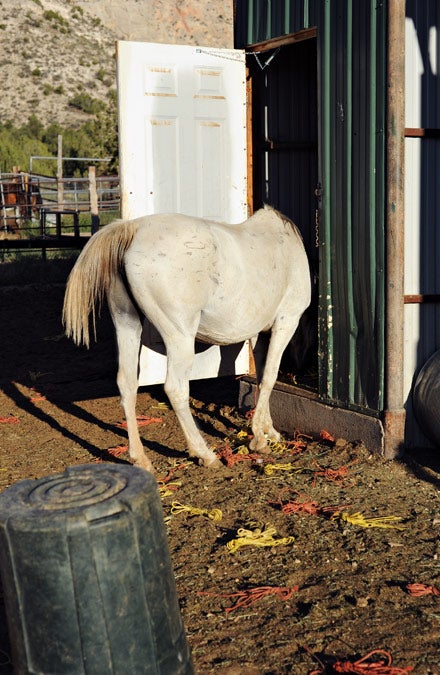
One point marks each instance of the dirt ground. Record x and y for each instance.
(347, 583)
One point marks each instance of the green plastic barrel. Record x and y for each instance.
(87, 576)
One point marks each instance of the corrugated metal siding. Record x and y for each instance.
(353, 158)
(422, 194)
(259, 20)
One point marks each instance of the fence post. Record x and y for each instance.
(93, 199)
(60, 197)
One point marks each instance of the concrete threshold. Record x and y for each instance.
(298, 410)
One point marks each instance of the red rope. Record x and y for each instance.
(325, 436)
(232, 458)
(119, 450)
(335, 475)
(303, 505)
(142, 421)
(248, 597)
(382, 665)
(171, 472)
(417, 590)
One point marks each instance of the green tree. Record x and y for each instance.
(96, 138)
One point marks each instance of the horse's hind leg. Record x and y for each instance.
(180, 357)
(128, 327)
(262, 425)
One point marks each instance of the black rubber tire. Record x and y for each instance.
(426, 399)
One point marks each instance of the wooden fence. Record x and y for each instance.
(37, 211)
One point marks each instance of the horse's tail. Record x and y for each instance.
(92, 276)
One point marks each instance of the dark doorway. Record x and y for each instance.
(284, 108)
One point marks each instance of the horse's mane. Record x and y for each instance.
(284, 219)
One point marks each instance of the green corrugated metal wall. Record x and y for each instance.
(351, 111)
(259, 20)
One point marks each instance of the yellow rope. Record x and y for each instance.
(277, 447)
(361, 521)
(258, 536)
(167, 489)
(270, 469)
(215, 514)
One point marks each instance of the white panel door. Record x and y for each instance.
(182, 126)
(182, 145)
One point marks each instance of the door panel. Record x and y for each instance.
(182, 131)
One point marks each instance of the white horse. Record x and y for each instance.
(193, 279)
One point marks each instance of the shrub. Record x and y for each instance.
(86, 103)
(51, 15)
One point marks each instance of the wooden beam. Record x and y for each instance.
(283, 40)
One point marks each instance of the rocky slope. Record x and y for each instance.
(55, 54)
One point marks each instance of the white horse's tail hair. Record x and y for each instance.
(96, 267)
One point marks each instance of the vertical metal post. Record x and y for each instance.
(60, 197)
(394, 414)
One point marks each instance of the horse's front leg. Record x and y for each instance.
(262, 425)
(180, 357)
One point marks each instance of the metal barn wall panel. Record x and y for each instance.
(422, 194)
(259, 20)
(352, 144)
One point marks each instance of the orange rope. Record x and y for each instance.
(335, 475)
(326, 436)
(171, 472)
(9, 420)
(248, 597)
(120, 450)
(304, 505)
(142, 421)
(37, 396)
(382, 665)
(232, 458)
(298, 443)
(417, 590)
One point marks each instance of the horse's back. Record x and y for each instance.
(263, 254)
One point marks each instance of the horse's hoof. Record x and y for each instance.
(211, 463)
(259, 445)
(144, 464)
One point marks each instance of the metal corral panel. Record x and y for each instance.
(259, 20)
(422, 194)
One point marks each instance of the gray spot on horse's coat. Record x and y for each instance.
(194, 245)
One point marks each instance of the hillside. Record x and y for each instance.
(56, 54)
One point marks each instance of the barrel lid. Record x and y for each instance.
(95, 491)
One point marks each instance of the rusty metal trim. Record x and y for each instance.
(431, 298)
(418, 132)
